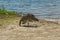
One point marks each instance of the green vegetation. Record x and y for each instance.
(6, 12)
(7, 16)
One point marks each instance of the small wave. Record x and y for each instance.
(51, 19)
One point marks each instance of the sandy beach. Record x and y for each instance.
(46, 30)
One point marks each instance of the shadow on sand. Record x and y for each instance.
(30, 26)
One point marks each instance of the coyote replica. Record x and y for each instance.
(27, 17)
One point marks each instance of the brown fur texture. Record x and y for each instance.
(27, 17)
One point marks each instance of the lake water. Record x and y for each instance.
(40, 8)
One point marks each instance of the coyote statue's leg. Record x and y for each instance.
(22, 22)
